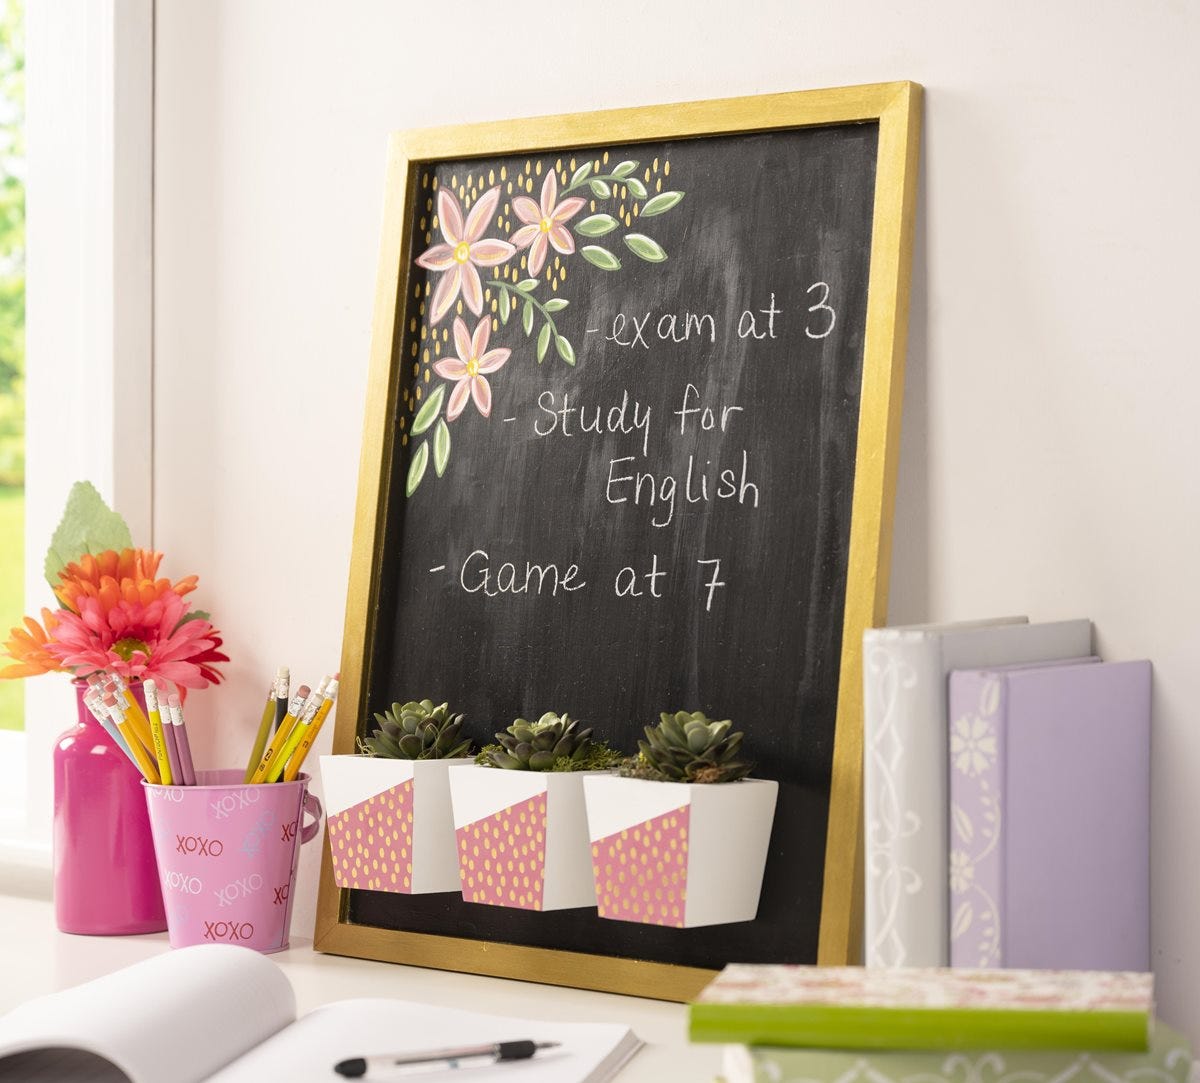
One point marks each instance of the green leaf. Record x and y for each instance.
(636, 187)
(600, 257)
(580, 174)
(429, 411)
(623, 169)
(505, 306)
(195, 614)
(441, 446)
(527, 317)
(416, 469)
(556, 304)
(596, 225)
(527, 285)
(661, 203)
(599, 189)
(564, 350)
(543, 343)
(88, 526)
(644, 247)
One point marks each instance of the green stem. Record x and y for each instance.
(611, 178)
(528, 297)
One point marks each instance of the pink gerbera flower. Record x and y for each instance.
(545, 224)
(139, 640)
(474, 362)
(464, 250)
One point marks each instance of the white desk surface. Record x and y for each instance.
(35, 958)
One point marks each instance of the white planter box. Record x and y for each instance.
(522, 837)
(390, 827)
(678, 854)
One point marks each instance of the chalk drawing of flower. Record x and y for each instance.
(471, 368)
(544, 224)
(972, 745)
(962, 872)
(464, 250)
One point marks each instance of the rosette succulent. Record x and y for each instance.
(552, 743)
(417, 731)
(688, 747)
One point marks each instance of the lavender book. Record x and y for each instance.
(1050, 817)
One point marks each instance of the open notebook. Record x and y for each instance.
(228, 1015)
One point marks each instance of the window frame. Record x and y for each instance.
(89, 316)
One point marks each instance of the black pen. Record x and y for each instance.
(460, 1057)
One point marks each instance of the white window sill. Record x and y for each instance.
(25, 865)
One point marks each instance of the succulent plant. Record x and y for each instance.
(688, 747)
(417, 731)
(552, 743)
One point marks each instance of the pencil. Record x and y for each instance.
(283, 682)
(94, 699)
(275, 771)
(133, 710)
(295, 709)
(310, 734)
(141, 756)
(172, 751)
(182, 744)
(156, 732)
(264, 728)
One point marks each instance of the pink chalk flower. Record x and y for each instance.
(470, 368)
(465, 249)
(544, 224)
(138, 640)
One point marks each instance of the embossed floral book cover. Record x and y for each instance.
(925, 1008)
(1168, 1060)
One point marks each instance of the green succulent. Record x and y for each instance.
(552, 743)
(417, 731)
(687, 747)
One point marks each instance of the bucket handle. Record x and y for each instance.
(312, 805)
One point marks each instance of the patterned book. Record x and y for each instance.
(1168, 1060)
(1050, 817)
(935, 1008)
(905, 771)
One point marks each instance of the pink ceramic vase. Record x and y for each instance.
(105, 876)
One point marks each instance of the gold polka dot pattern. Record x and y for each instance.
(502, 858)
(371, 842)
(641, 872)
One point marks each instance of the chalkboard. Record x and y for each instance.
(632, 450)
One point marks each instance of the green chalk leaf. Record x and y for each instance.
(88, 526)
(505, 306)
(429, 411)
(623, 169)
(416, 469)
(527, 285)
(543, 343)
(441, 446)
(582, 173)
(660, 204)
(556, 304)
(564, 350)
(600, 189)
(636, 187)
(600, 257)
(527, 317)
(596, 225)
(644, 247)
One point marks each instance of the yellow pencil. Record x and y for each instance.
(133, 709)
(275, 771)
(264, 731)
(145, 764)
(295, 709)
(156, 732)
(310, 734)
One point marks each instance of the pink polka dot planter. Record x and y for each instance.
(522, 838)
(678, 854)
(390, 827)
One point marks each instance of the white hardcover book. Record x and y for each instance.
(906, 773)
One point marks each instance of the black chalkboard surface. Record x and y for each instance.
(620, 469)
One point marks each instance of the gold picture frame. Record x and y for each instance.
(895, 107)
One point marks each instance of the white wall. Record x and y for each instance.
(1047, 458)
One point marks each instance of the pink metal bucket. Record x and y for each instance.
(227, 855)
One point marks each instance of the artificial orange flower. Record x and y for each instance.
(28, 647)
(113, 577)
